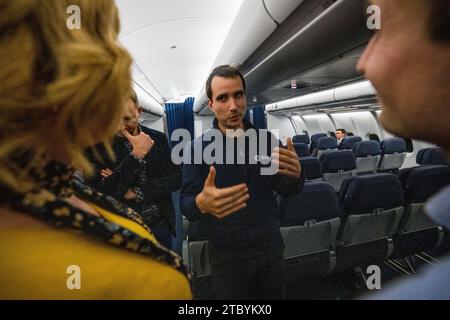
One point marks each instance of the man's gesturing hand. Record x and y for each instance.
(287, 160)
(142, 143)
(221, 202)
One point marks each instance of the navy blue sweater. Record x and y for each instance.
(255, 227)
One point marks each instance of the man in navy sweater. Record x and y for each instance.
(236, 201)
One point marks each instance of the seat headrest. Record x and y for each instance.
(424, 182)
(365, 193)
(311, 167)
(301, 138)
(393, 145)
(326, 143)
(315, 137)
(349, 142)
(366, 148)
(333, 161)
(318, 201)
(301, 149)
(434, 155)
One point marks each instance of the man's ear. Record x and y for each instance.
(210, 105)
(140, 109)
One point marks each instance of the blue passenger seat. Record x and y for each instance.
(417, 232)
(368, 155)
(393, 153)
(324, 145)
(312, 168)
(431, 156)
(337, 165)
(371, 207)
(301, 149)
(349, 142)
(309, 224)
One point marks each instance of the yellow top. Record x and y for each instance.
(37, 263)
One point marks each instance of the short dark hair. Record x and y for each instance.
(439, 20)
(224, 71)
(342, 130)
(134, 98)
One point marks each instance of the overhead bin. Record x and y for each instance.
(351, 92)
(256, 20)
(150, 105)
(314, 40)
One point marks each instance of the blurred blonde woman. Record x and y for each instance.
(61, 91)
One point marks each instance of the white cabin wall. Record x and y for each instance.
(359, 123)
(281, 126)
(299, 124)
(384, 134)
(319, 123)
(158, 125)
(152, 122)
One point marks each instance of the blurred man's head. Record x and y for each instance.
(408, 62)
(339, 134)
(131, 117)
(225, 89)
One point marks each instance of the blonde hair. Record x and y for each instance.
(61, 90)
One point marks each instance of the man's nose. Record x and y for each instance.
(361, 65)
(233, 105)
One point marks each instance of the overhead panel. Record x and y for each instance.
(174, 42)
(251, 27)
(335, 31)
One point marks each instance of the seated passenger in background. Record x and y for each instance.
(236, 202)
(62, 91)
(340, 135)
(143, 175)
(408, 63)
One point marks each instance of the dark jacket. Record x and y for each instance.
(254, 227)
(163, 177)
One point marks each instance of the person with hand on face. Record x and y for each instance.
(143, 175)
(236, 202)
(408, 63)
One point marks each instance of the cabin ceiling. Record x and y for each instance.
(174, 43)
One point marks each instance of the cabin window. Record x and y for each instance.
(409, 145)
(373, 136)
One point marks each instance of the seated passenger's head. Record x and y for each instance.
(225, 89)
(61, 89)
(408, 62)
(339, 134)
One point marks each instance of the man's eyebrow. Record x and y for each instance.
(222, 95)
